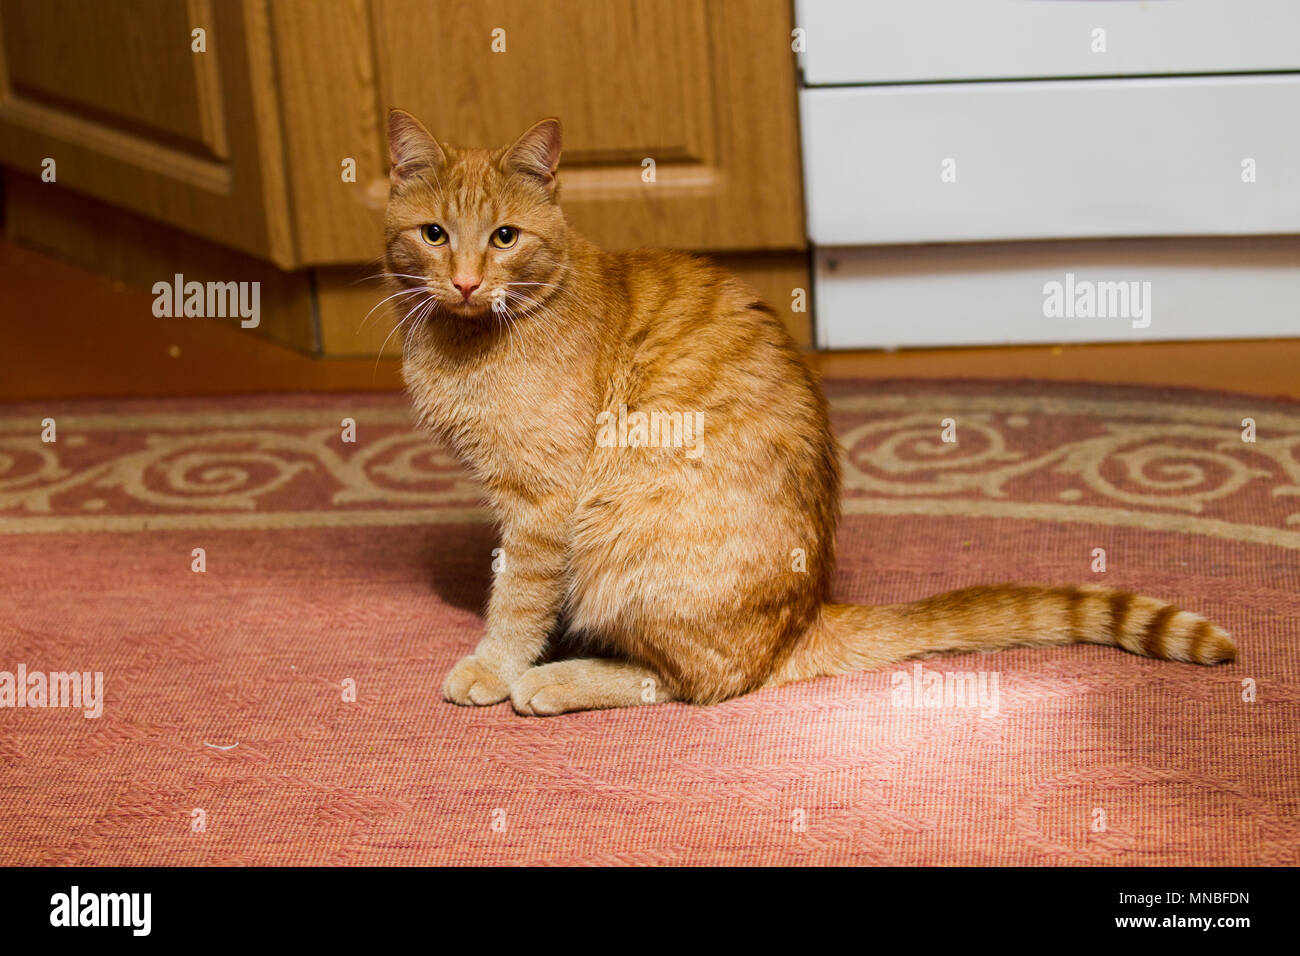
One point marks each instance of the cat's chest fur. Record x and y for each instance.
(514, 424)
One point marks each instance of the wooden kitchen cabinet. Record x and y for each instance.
(245, 144)
(111, 91)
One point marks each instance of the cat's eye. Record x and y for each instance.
(433, 234)
(504, 237)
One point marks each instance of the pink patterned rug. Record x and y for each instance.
(229, 730)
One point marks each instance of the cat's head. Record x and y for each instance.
(478, 229)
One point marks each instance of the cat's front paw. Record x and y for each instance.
(473, 682)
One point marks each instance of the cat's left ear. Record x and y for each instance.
(537, 153)
(411, 148)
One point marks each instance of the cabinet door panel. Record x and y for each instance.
(706, 90)
(130, 113)
(629, 79)
(127, 64)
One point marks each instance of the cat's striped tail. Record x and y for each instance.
(852, 637)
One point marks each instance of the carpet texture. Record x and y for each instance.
(228, 736)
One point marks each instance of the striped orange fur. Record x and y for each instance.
(847, 637)
(697, 566)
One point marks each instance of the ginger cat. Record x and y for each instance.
(665, 549)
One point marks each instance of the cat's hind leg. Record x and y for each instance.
(586, 683)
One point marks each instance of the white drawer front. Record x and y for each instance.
(891, 41)
(1052, 159)
(1127, 290)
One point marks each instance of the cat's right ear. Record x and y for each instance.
(537, 153)
(411, 148)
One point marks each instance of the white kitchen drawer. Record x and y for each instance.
(890, 41)
(994, 293)
(1052, 159)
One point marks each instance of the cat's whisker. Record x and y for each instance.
(515, 297)
(509, 325)
(395, 295)
(510, 322)
(424, 304)
(430, 306)
(364, 321)
(380, 355)
(501, 324)
(531, 308)
(432, 298)
(391, 275)
(377, 261)
(505, 290)
(539, 302)
(523, 348)
(537, 307)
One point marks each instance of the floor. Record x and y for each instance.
(67, 333)
(281, 706)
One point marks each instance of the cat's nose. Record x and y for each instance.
(466, 286)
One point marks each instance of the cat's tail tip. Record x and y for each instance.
(1189, 638)
(1148, 626)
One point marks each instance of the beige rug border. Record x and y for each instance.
(397, 517)
(400, 415)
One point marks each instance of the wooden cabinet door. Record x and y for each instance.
(115, 93)
(705, 90)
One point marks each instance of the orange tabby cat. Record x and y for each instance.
(655, 451)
